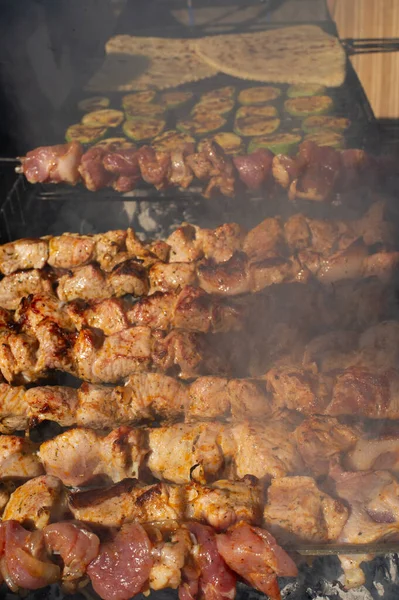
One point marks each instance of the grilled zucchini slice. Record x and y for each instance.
(139, 129)
(84, 134)
(258, 95)
(115, 144)
(107, 117)
(251, 126)
(219, 106)
(138, 98)
(230, 142)
(175, 99)
(144, 110)
(313, 124)
(302, 90)
(228, 92)
(202, 124)
(334, 139)
(265, 110)
(93, 103)
(310, 105)
(172, 139)
(282, 143)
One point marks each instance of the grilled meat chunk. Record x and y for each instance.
(296, 509)
(374, 454)
(53, 164)
(264, 451)
(181, 453)
(13, 408)
(373, 498)
(37, 502)
(21, 284)
(23, 254)
(81, 456)
(321, 440)
(18, 458)
(87, 283)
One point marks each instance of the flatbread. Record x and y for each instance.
(142, 63)
(299, 54)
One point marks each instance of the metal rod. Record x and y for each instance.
(334, 549)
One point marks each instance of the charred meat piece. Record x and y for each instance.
(18, 458)
(154, 166)
(86, 283)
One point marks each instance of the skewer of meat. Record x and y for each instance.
(316, 173)
(190, 309)
(93, 357)
(333, 390)
(190, 243)
(139, 557)
(238, 275)
(177, 453)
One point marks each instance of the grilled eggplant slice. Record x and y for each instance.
(219, 106)
(259, 95)
(84, 134)
(138, 98)
(115, 144)
(175, 99)
(251, 126)
(281, 143)
(302, 90)
(144, 110)
(230, 142)
(311, 105)
(265, 110)
(314, 124)
(107, 117)
(93, 103)
(202, 124)
(140, 129)
(172, 140)
(228, 91)
(334, 139)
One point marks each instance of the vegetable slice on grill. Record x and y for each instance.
(220, 106)
(261, 111)
(305, 107)
(302, 90)
(258, 95)
(228, 91)
(93, 103)
(175, 99)
(84, 134)
(138, 98)
(107, 117)
(139, 129)
(202, 124)
(281, 143)
(172, 139)
(313, 124)
(144, 110)
(116, 143)
(251, 126)
(230, 142)
(327, 138)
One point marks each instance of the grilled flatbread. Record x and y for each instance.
(141, 63)
(299, 54)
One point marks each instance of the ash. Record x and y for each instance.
(321, 581)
